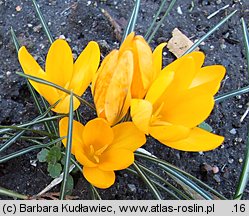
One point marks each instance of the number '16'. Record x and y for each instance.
(240, 208)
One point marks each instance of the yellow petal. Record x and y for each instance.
(183, 77)
(78, 128)
(31, 67)
(169, 132)
(198, 140)
(59, 63)
(116, 159)
(209, 77)
(198, 58)
(118, 89)
(141, 112)
(158, 88)
(81, 157)
(97, 133)
(85, 67)
(99, 178)
(157, 59)
(190, 110)
(63, 105)
(127, 136)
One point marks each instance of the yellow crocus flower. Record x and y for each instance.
(179, 100)
(147, 65)
(102, 149)
(61, 70)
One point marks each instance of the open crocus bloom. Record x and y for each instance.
(102, 149)
(111, 86)
(178, 101)
(61, 70)
(147, 65)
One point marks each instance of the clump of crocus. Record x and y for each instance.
(61, 70)
(181, 97)
(102, 149)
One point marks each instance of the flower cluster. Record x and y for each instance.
(167, 103)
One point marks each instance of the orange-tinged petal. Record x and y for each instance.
(169, 132)
(157, 59)
(85, 67)
(127, 136)
(143, 68)
(209, 77)
(198, 140)
(127, 44)
(99, 178)
(144, 54)
(118, 89)
(77, 133)
(141, 112)
(159, 87)
(63, 105)
(97, 133)
(190, 110)
(102, 80)
(116, 159)
(31, 67)
(59, 63)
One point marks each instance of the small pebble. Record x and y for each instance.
(215, 169)
(29, 25)
(240, 160)
(62, 37)
(218, 2)
(18, 8)
(230, 160)
(217, 178)
(132, 187)
(8, 73)
(233, 131)
(179, 10)
(223, 46)
(37, 28)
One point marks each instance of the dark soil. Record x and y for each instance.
(82, 21)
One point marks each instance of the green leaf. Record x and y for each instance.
(69, 185)
(211, 31)
(68, 150)
(172, 3)
(10, 193)
(45, 82)
(54, 155)
(54, 169)
(205, 126)
(42, 155)
(43, 22)
(230, 94)
(133, 19)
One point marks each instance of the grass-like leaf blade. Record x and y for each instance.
(211, 31)
(172, 3)
(133, 19)
(147, 181)
(68, 150)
